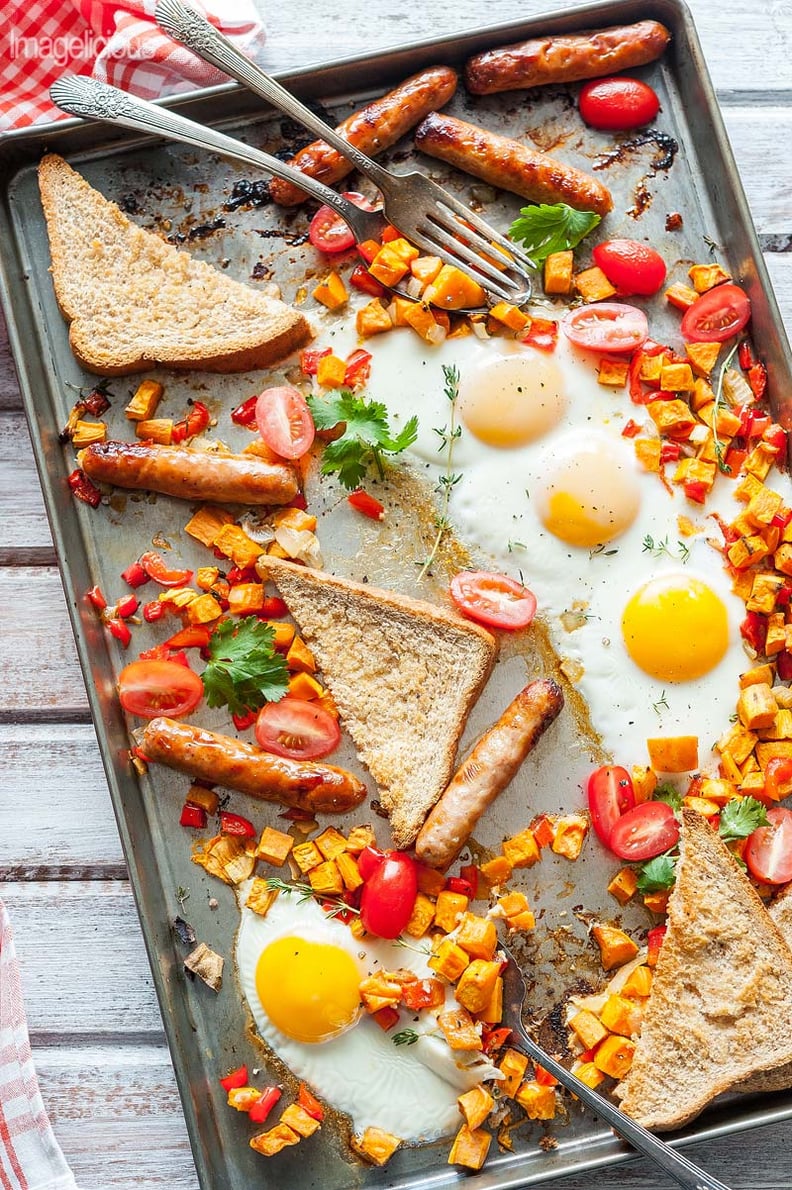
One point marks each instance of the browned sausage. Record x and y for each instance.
(510, 165)
(190, 474)
(320, 788)
(489, 769)
(566, 59)
(374, 128)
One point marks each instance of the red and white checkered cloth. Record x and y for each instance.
(30, 1157)
(119, 43)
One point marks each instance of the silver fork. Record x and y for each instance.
(683, 1171)
(424, 212)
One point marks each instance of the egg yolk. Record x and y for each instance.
(588, 492)
(512, 400)
(675, 628)
(309, 990)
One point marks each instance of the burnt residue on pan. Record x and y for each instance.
(245, 193)
(665, 151)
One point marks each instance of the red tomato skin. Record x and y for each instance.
(389, 895)
(284, 421)
(717, 315)
(768, 853)
(152, 688)
(617, 104)
(328, 231)
(631, 266)
(610, 794)
(606, 326)
(369, 860)
(493, 599)
(315, 732)
(644, 832)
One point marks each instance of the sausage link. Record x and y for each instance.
(190, 474)
(566, 59)
(319, 788)
(373, 129)
(488, 769)
(510, 165)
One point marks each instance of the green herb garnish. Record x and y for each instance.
(448, 436)
(657, 874)
(406, 1037)
(720, 454)
(366, 439)
(544, 229)
(740, 817)
(332, 905)
(667, 793)
(244, 671)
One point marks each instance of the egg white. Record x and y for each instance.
(409, 1090)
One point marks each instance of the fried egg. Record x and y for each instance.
(300, 972)
(550, 491)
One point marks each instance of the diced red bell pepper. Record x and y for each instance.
(654, 940)
(470, 873)
(670, 452)
(362, 279)
(541, 334)
(264, 1104)
(784, 665)
(647, 349)
(309, 360)
(631, 429)
(134, 575)
(83, 489)
(735, 457)
(358, 367)
(194, 817)
(544, 1077)
(154, 566)
(495, 1039)
(127, 607)
(237, 1078)
(156, 653)
(780, 521)
(237, 575)
(139, 753)
(119, 630)
(273, 608)
(456, 884)
(194, 636)
(696, 490)
(754, 630)
(309, 1103)
(745, 355)
(753, 424)
(95, 403)
(154, 611)
(245, 414)
(196, 421)
(389, 232)
(96, 598)
(543, 831)
(775, 437)
(299, 501)
(386, 1017)
(757, 378)
(784, 596)
(362, 502)
(243, 722)
(368, 249)
(235, 824)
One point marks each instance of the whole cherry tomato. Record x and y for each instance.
(616, 104)
(631, 266)
(388, 897)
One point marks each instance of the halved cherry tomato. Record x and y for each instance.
(297, 728)
(616, 104)
(610, 794)
(154, 566)
(606, 326)
(284, 421)
(631, 266)
(493, 599)
(769, 850)
(369, 860)
(717, 315)
(151, 688)
(645, 831)
(388, 897)
(328, 231)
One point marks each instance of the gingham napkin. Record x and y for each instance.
(30, 1158)
(119, 43)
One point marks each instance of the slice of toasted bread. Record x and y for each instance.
(779, 1079)
(404, 675)
(134, 301)
(720, 1009)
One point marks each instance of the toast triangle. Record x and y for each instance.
(404, 675)
(134, 301)
(779, 1079)
(720, 1008)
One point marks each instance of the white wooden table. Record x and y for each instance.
(95, 1026)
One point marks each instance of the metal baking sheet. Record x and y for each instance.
(192, 198)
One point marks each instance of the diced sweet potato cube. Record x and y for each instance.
(376, 1145)
(331, 843)
(522, 922)
(454, 290)
(357, 929)
(656, 902)
(449, 960)
(647, 452)
(206, 523)
(305, 686)
(492, 1012)
(388, 266)
(350, 873)
(757, 706)
(430, 881)
(718, 790)
(203, 610)
(677, 378)
(496, 871)
(673, 754)
(270, 1143)
(588, 1028)
(702, 805)
(373, 319)
(702, 356)
(424, 322)
(307, 856)
(615, 1056)
(421, 917)
(644, 781)
(359, 838)
(450, 906)
(513, 903)
(621, 1015)
(331, 292)
(680, 296)
(638, 983)
(330, 371)
(589, 1074)
(613, 372)
(145, 400)
(261, 897)
(380, 991)
(236, 545)
(707, 276)
(738, 742)
(325, 879)
(299, 658)
(476, 985)
(470, 1148)
(297, 1117)
(459, 1029)
(477, 935)
(537, 1100)
(475, 1105)
(245, 598)
(558, 269)
(426, 268)
(274, 846)
(570, 834)
(672, 418)
(615, 946)
(623, 886)
(510, 315)
(522, 850)
(593, 285)
(513, 1065)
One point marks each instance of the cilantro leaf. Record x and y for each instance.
(667, 793)
(244, 671)
(545, 229)
(740, 817)
(657, 874)
(366, 438)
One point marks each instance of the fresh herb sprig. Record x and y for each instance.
(332, 905)
(658, 874)
(405, 1037)
(367, 436)
(244, 670)
(740, 817)
(658, 548)
(720, 454)
(544, 228)
(448, 436)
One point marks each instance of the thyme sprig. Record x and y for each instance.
(720, 401)
(331, 904)
(448, 435)
(657, 548)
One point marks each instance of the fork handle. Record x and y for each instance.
(83, 96)
(683, 1171)
(193, 30)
